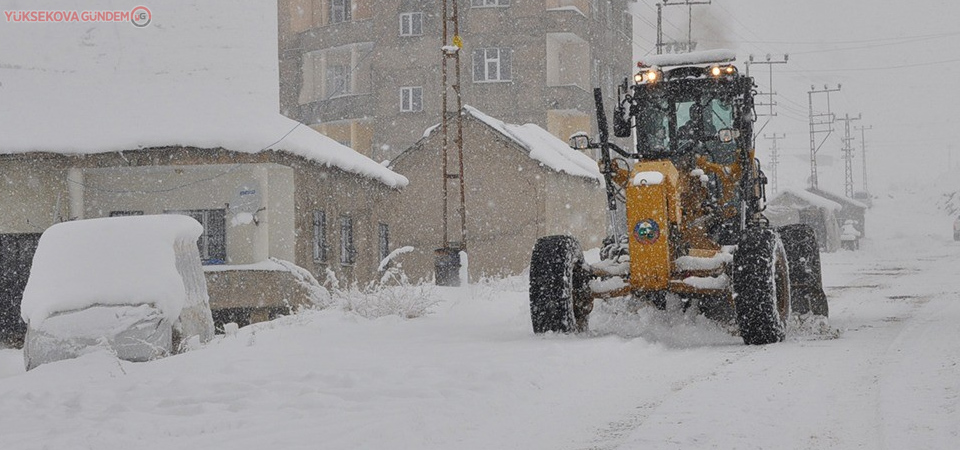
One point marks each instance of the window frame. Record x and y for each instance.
(348, 250)
(209, 235)
(125, 213)
(503, 61)
(383, 241)
(489, 3)
(336, 75)
(340, 11)
(321, 248)
(410, 102)
(411, 32)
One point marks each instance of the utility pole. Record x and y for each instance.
(769, 63)
(774, 158)
(848, 155)
(448, 255)
(690, 45)
(863, 153)
(819, 123)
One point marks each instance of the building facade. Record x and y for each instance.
(521, 184)
(368, 72)
(267, 217)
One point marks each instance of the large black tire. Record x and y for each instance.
(803, 259)
(560, 298)
(761, 282)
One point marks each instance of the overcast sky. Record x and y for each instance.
(897, 64)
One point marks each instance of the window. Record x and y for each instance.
(339, 11)
(383, 245)
(348, 254)
(411, 99)
(489, 3)
(320, 236)
(212, 243)
(568, 60)
(338, 80)
(491, 64)
(411, 24)
(125, 213)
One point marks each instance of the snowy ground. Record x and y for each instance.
(472, 375)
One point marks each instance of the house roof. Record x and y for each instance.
(808, 197)
(841, 199)
(540, 145)
(202, 73)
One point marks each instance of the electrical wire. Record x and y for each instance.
(181, 186)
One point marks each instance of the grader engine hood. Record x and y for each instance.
(653, 211)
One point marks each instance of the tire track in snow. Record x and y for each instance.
(844, 379)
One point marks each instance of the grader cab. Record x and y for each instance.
(693, 197)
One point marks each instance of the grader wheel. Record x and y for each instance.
(560, 298)
(762, 286)
(803, 258)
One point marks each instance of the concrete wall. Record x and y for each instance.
(511, 201)
(338, 194)
(162, 189)
(43, 189)
(36, 194)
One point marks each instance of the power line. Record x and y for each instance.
(863, 69)
(825, 119)
(861, 41)
(774, 158)
(863, 153)
(848, 154)
(181, 186)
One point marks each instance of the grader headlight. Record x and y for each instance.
(719, 71)
(648, 76)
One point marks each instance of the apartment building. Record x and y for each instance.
(367, 73)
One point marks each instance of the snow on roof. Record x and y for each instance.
(109, 261)
(202, 73)
(543, 146)
(692, 58)
(839, 198)
(810, 198)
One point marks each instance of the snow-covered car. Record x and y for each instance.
(131, 285)
(956, 229)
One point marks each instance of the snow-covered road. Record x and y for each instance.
(890, 381)
(473, 376)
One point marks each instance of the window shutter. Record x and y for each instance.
(478, 63)
(505, 63)
(417, 99)
(217, 233)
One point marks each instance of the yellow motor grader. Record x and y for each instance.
(693, 195)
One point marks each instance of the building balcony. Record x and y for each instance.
(338, 108)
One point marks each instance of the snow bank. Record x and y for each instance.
(110, 262)
(201, 74)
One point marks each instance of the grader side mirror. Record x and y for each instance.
(580, 141)
(621, 124)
